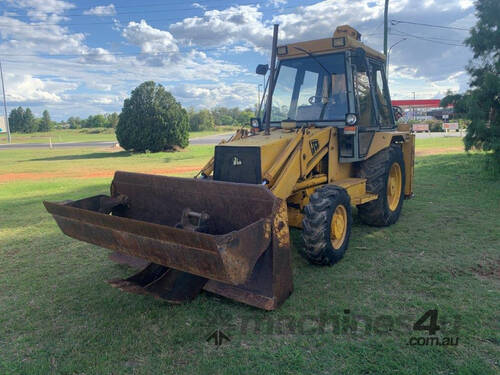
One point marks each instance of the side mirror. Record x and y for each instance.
(262, 69)
(255, 123)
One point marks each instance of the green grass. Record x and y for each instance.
(441, 142)
(57, 314)
(89, 135)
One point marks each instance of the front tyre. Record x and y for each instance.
(385, 176)
(326, 225)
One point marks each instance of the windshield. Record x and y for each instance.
(311, 89)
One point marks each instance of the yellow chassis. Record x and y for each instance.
(293, 169)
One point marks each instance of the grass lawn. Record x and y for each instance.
(88, 135)
(58, 315)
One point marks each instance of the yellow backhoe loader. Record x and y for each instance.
(327, 140)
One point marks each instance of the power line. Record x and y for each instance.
(179, 18)
(142, 12)
(429, 40)
(427, 37)
(396, 22)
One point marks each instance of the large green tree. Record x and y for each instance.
(201, 120)
(481, 103)
(30, 124)
(45, 123)
(16, 120)
(151, 119)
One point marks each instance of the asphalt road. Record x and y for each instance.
(208, 140)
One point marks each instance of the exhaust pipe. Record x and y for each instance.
(271, 81)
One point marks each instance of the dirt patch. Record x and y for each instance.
(12, 177)
(488, 269)
(439, 150)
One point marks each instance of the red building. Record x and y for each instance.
(423, 109)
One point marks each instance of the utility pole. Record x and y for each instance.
(413, 106)
(386, 10)
(5, 104)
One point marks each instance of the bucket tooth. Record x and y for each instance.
(162, 282)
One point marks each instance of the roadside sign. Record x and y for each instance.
(3, 128)
(420, 127)
(446, 117)
(450, 126)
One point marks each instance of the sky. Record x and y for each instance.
(77, 58)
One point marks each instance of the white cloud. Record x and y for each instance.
(25, 39)
(277, 3)
(199, 6)
(26, 89)
(45, 10)
(234, 25)
(149, 39)
(101, 10)
(220, 94)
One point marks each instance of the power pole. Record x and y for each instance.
(386, 10)
(413, 107)
(5, 104)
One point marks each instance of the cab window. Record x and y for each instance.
(363, 98)
(384, 111)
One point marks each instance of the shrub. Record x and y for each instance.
(151, 119)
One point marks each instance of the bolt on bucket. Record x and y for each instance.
(193, 234)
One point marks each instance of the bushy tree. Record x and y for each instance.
(30, 124)
(45, 123)
(481, 104)
(74, 122)
(16, 120)
(112, 120)
(202, 120)
(151, 119)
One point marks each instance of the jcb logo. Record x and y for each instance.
(236, 161)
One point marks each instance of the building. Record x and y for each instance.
(423, 109)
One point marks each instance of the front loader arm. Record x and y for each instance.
(294, 165)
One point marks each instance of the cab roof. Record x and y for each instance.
(344, 38)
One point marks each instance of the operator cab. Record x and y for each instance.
(332, 82)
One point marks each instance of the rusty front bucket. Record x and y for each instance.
(227, 238)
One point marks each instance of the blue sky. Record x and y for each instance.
(77, 58)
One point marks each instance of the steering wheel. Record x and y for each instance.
(314, 99)
(398, 112)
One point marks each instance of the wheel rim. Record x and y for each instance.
(338, 227)
(394, 183)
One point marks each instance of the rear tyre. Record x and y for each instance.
(326, 225)
(385, 176)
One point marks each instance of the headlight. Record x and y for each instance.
(255, 123)
(351, 119)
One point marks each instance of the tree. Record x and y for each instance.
(202, 120)
(29, 123)
(45, 123)
(481, 103)
(74, 122)
(112, 120)
(151, 119)
(244, 117)
(16, 120)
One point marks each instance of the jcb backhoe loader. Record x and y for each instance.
(327, 141)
